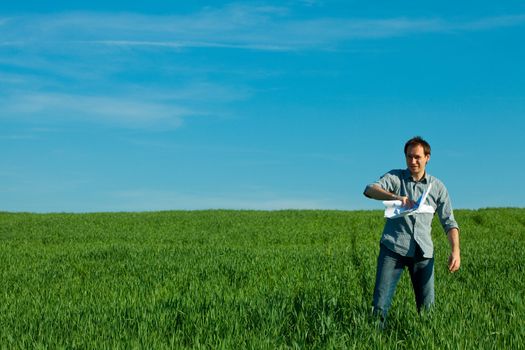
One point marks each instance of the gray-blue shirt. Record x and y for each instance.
(402, 234)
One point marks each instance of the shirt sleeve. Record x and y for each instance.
(390, 182)
(445, 212)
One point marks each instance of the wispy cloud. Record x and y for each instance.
(185, 44)
(12, 79)
(491, 23)
(17, 138)
(148, 199)
(125, 106)
(73, 66)
(233, 26)
(108, 110)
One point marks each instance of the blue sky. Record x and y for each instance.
(158, 105)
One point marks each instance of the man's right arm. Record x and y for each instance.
(375, 191)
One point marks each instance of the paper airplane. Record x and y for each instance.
(395, 209)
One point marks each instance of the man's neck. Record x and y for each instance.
(418, 176)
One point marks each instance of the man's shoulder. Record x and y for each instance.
(437, 184)
(433, 179)
(392, 178)
(401, 173)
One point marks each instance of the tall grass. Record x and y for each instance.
(248, 279)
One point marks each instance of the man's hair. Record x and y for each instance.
(418, 140)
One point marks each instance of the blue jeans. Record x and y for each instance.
(390, 265)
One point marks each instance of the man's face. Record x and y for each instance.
(416, 159)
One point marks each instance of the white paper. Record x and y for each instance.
(395, 209)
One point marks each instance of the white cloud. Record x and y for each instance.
(492, 22)
(18, 137)
(185, 44)
(12, 79)
(148, 199)
(127, 112)
(233, 26)
(89, 51)
(125, 106)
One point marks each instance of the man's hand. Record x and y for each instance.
(454, 261)
(407, 202)
(376, 192)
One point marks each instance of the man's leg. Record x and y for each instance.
(422, 276)
(390, 265)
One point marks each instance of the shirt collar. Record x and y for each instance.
(408, 176)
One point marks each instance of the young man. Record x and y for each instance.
(406, 241)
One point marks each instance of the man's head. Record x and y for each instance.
(417, 154)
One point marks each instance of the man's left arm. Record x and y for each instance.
(454, 260)
(446, 216)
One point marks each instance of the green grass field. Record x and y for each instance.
(248, 279)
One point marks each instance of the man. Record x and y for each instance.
(406, 241)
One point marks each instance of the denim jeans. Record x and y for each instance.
(390, 265)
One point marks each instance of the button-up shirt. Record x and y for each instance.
(403, 233)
